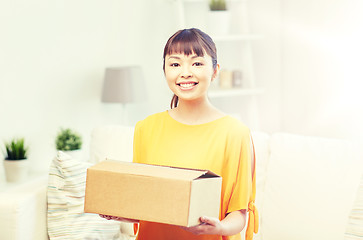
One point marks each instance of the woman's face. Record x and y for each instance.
(189, 77)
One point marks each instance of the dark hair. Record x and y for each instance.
(190, 41)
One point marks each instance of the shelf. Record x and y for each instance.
(234, 92)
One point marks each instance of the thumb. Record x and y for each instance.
(208, 220)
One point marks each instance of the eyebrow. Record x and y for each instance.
(176, 57)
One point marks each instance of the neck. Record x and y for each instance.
(196, 107)
(195, 112)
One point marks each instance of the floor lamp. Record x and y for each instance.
(123, 85)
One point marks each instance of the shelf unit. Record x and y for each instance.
(241, 42)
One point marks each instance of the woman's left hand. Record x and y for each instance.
(210, 226)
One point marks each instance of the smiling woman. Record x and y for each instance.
(195, 134)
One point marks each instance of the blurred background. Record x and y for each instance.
(299, 63)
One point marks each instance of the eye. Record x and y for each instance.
(174, 65)
(198, 64)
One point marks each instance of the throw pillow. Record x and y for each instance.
(65, 195)
(355, 221)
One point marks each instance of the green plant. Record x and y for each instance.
(68, 140)
(16, 149)
(217, 5)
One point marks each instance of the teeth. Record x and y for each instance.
(186, 85)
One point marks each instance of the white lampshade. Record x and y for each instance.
(123, 85)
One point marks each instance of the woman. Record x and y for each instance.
(194, 134)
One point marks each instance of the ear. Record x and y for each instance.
(216, 72)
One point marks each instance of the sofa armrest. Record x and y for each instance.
(23, 211)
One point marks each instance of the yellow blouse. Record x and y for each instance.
(222, 146)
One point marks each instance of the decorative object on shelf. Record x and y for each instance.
(69, 142)
(237, 79)
(16, 163)
(218, 18)
(225, 79)
(123, 85)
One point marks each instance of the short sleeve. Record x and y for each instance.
(241, 157)
(244, 188)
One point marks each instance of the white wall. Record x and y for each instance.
(321, 67)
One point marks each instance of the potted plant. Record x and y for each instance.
(16, 162)
(69, 141)
(217, 5)
(218, 17)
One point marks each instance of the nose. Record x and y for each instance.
(186, 73)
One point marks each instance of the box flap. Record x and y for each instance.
(152, 170)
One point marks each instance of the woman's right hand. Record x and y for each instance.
(108, 217)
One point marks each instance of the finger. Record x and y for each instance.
(107, 217)
(210, 221)
(189, 229)
(202, 229)
(103, 216)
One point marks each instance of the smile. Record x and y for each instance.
(187, 86)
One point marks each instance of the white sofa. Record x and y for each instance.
(306, 187)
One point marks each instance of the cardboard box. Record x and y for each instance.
(161, 194)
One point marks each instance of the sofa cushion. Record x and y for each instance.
(65, 195)
(261, 142)
(113, 142)
(355, 222)
(310, 187)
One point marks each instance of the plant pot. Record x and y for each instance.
(75, 154)
(16, 170)
(218, 23)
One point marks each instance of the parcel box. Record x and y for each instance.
(161, 194)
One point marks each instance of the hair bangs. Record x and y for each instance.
(186, 44)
